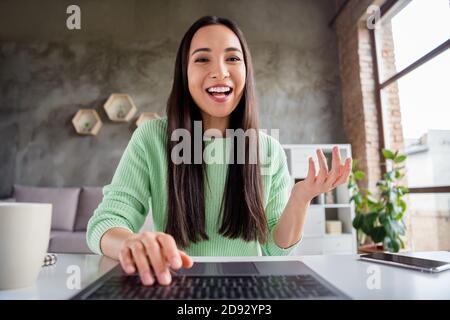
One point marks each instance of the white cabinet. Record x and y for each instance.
(327, 244)
(310, 246)
(332, 206)
(299, 168)
(315, 222)
(338, 243)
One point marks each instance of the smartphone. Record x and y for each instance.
(425, 265)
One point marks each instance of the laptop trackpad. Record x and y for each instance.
(222, 268)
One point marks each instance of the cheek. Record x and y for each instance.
(240, 77)
(194, 81)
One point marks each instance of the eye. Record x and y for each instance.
(201, 60)
(234, 59)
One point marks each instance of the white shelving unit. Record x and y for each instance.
(333, 206)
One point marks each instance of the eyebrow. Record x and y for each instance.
(209, 50)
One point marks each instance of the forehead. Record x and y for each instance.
(215, 37)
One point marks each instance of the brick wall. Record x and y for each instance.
(359, 92)
(358, 89)
(390, 98)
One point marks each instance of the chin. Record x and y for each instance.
(213, 112)
(218, 110)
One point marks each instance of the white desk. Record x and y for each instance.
(343, 271)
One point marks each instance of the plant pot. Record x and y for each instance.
(371, 248)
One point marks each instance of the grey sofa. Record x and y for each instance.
(72, 209)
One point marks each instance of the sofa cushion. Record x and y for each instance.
(64, 201)
(68, 242)
(89, 200)
(8, 200)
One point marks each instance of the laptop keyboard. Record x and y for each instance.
(215, 287)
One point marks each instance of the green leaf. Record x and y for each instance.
(402, 205)
(398, 227)
(357, 198)
(393, 195)
(358, 221)
(388, 154)
(389, 209)
(355, 164)
(381, 183)
(369, 222)
(378, 234)
(388, 228)
(400, 158)
(397, 210)
(398, 216)
(376, 207)
(371, 200)
(393, 245)
(359, 175)
(393, 228)
(402, 244)
(404, 189)
(389, 176)
(382, 218)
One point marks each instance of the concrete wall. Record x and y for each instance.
(48, 72)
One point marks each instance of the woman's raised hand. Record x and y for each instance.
(152, 254)
(325, 180)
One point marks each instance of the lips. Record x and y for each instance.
(219, 93)
(219, 98)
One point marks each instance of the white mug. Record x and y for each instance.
(24, 238)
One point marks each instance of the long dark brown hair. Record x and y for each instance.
(242, 206)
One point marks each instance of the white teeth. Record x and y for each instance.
(219, 89)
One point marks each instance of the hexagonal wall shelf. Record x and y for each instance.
(146, 116)
(87, 121)
(120, 107)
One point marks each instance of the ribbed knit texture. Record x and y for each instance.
(140, 183)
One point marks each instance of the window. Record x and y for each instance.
(413, 54)
(416, 27)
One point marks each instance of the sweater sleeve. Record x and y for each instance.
(125, 200)
(278, 198)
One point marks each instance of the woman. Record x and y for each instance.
(220, 208)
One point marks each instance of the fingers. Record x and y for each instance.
(311, 170)
(336, 158)
(126, 260)
(335, 169)
(141, 261)
(339, 173)
(346, 170)
(187, 261)
(157, 260)
(169, 250)
(323, 172)
(152, 254)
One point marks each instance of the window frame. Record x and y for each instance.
(391, 7)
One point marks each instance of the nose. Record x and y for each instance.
(219, 71)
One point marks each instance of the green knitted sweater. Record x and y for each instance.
(139, 186)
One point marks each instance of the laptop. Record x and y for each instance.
(266, 280)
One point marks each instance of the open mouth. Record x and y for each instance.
(219, 92)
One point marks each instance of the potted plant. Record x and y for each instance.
(380, 220)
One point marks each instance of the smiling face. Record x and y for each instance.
(216, 73)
